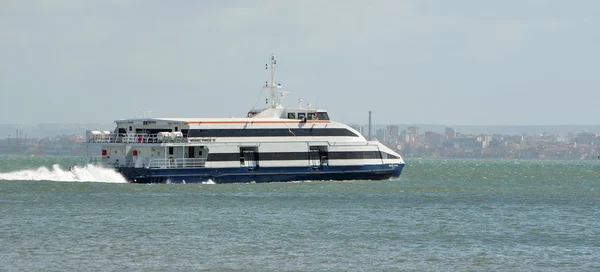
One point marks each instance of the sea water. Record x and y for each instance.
(440, 215)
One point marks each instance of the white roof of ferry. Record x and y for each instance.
(271, 115)
(190, 120)
(197, 120)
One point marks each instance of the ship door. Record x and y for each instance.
(249, 158)
(318, 157)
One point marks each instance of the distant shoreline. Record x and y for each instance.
(47, 130)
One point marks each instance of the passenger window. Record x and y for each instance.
(310, 116)
(291, 115)
(301, 115)
(176, 128)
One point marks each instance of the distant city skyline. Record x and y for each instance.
(411, 141)
(52, 129)
(463, 62)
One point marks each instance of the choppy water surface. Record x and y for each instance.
(441, 215)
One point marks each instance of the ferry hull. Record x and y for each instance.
(278, 174)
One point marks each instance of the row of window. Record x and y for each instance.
(279, 132)
(271, 156)
(190, 152)
(308, 116)
(147, 130)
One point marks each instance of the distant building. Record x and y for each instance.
(450, 133)
(414, 131)
(484, 139)
(392, 131)
(471, 143)
(434, 139)
(407, 136)
(497, 143)
(380, 134)
(586, 138)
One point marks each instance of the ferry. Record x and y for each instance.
(273, 144)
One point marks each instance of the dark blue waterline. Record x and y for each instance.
(261, 174)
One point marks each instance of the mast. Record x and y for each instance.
(275, 99)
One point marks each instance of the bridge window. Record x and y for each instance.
(301, 115)
(291, 115)
(323, 116)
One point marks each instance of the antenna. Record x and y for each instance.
(274, 85)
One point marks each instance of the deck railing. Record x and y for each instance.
(177, 163)
(133, 138)
(155, 163)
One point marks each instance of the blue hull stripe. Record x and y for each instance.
(263, 174)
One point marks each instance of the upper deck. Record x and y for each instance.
(223, 130)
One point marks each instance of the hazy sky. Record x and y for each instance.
(509, 62)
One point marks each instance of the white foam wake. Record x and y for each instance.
(209, 181)
(88, 173)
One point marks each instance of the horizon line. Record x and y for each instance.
(349, 123)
